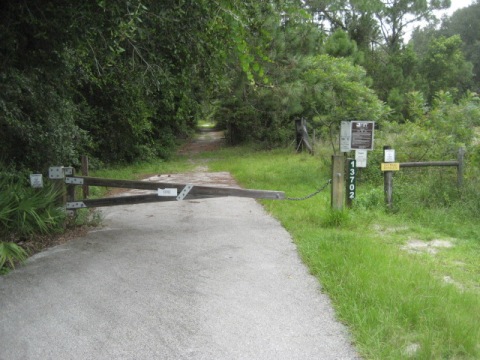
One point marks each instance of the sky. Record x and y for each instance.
(456, 4)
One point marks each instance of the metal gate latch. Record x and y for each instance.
(184, 192)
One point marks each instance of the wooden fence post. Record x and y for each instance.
(301, 136)
(57, 177)
(338, 182)
(388, 183)
(71, 195)
(460, 167)
(85, 188)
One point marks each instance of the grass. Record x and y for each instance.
(396, 303)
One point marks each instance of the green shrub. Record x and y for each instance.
(370, 199)
(25, 211)
(9, 254)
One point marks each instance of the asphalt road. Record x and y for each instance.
(206, 279)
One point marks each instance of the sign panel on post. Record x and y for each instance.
(36, 180)
(362, 135)
(361, 158)
(351, 183)
(390, 166)
(389, 155)
(345, 136)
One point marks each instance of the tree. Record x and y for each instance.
(444, 67)
(119, 80)
(378, 28)
(355, 17)
(436, 132)
(38, 116)
(253, 110)
(340, 45)
(304, 82)
(466, 23)
(369, 21)
(396, 15)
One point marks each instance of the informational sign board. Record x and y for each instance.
(361, 158)
(362, 135)
(36, 180)
(389, 155)
(351, 181)
(345, 136)
(390, 166)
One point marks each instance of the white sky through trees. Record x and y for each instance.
(456, 4)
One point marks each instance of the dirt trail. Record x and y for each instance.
(206, 140)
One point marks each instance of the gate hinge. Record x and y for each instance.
(74, 180)
(55, 172)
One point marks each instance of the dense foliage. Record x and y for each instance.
(120, 81)
(25, 211)
(123, 81)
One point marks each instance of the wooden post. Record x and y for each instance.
(58, 181)
(338, 182)
(301, 137)
(59, 187)
(313, 141)
(460, 167)
(70, 197)
(388, 183)
(298, 135)
(85, 188)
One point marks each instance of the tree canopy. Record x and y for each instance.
(125, 80)
(120, 80)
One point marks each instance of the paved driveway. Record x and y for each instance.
(206, 279)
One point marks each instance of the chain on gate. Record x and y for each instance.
(310, 195)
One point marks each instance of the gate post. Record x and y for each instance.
(56, 175)
(388, 183)
(71, 194)
(338, 182)
(460, 167)
(85, 188)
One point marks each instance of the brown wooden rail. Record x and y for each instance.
(196, 192)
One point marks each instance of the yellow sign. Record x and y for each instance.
(390, 166)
